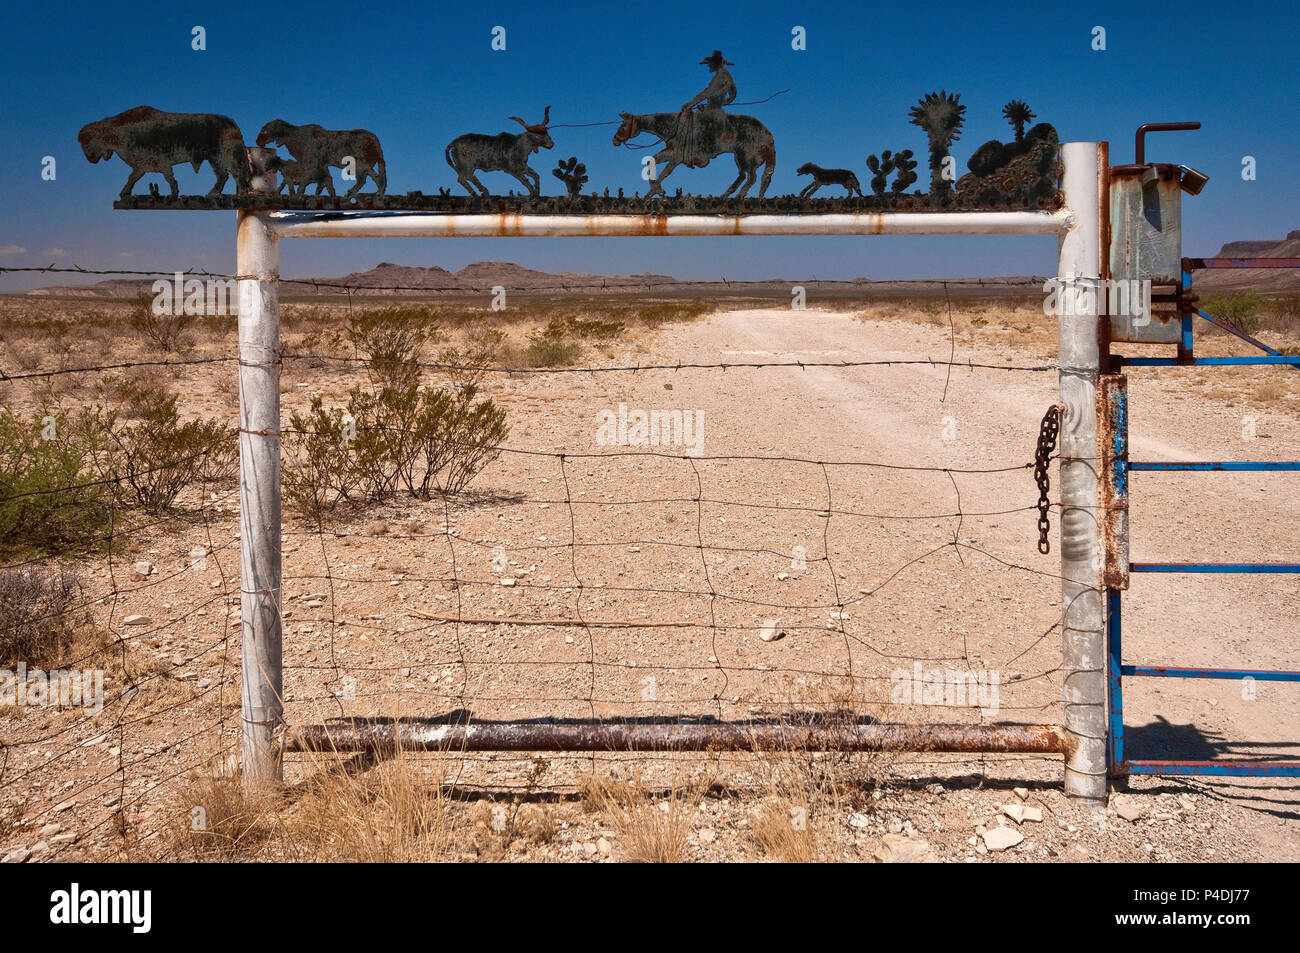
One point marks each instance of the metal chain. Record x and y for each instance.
(1047, 432)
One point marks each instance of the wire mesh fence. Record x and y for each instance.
(615, 585)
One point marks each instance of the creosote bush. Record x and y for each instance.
(166, 332)
(155, 459)
(38, 614)
(398, 438)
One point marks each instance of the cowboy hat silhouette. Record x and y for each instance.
(716, 61)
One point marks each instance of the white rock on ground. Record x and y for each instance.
(1002, 838)
(897, 849)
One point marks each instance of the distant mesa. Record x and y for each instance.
(1262, 280)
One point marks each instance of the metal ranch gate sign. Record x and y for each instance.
(1113, 224)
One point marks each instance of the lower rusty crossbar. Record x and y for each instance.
(364, 735)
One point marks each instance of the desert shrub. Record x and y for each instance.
(407, 437)
(166, 332)
(390, 339)
(551, 345)
(40, 614)
(154, 460)
(1242, 311)
(51, 496)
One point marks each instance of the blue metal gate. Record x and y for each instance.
(1120, 468)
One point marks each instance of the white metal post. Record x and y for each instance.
(259, 501)
(1083, 620)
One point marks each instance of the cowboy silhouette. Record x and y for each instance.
(709, 120)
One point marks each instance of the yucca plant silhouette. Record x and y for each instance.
(941, 116)
(1018, 113)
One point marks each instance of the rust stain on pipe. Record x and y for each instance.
(367, 735)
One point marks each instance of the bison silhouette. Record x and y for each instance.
(150, 140)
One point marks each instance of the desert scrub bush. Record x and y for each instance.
(390, 340)
(164, 330)
(1242, 311)
(400, 437)
(51, 496)
(152, 461)
(41, 614)
(552, 345)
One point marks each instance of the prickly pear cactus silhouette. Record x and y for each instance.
(573, 174)
(880, 169)
(906, 175)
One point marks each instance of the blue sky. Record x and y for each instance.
(420, 74)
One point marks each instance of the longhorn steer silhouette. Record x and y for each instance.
(504, 152)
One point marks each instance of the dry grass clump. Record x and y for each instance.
(653, 827)
(390, 812)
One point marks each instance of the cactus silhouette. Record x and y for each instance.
(941, 116)
(1018, 113)
(880, 169)
(573, 174)
(906, 176)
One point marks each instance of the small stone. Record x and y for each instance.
(17, 855)
(136, 620)
(782, 576)
(708, 835)
(589, 849)
(1022, 793)
(64, 806)
(1002, 838)
(1033, 814)
(1129, 810)
(897, 849)
(203, 683)
(771, 630)
(895, 826)
(935, 788)
(1014, 811)
(39, 848)
(313, 604)
(49, 830)
(602, 845)
(65, 838)
(507, 582)
(859, 821)
(142, 569)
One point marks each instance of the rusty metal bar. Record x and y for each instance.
(440, 225)
(1139, 149)
(365, 735)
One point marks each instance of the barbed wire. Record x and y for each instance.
(439, 627)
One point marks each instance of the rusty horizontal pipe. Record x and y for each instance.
(443, 225)
(365, 735)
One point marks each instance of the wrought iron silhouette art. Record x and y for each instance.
(504, 152)
(827, 177)
(150, 140)
(573, 174)
(1022, 172)
(941, 116)
(315, 149)
(694, 137)
(886, 163)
